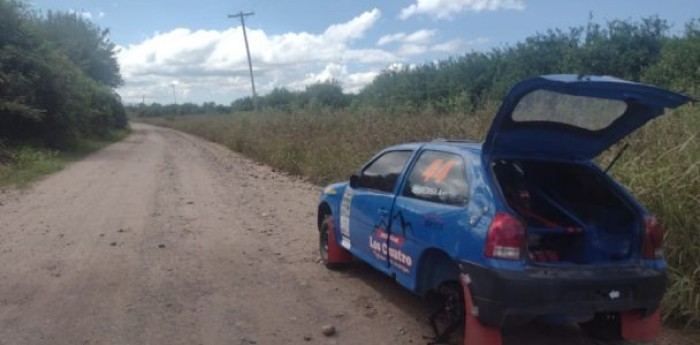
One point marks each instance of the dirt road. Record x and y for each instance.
(164, 238)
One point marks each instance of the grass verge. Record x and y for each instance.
(20, 165)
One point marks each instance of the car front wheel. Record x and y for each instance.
(323, 244)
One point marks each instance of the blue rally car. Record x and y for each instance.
(525, 225)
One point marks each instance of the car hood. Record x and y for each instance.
(573, 116)
(335, 188)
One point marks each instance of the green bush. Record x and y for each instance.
(56, 78)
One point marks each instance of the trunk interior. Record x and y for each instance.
(572, 214)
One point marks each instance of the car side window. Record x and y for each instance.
(438, 177)
(383, 173)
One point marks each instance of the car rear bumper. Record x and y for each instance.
(507, 298)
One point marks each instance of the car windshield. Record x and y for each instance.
(579, 111)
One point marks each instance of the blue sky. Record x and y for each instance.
(193, 46)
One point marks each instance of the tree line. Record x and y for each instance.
(58, 72)
(643, 50)
(326, 94)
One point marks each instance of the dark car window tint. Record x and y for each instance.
(383, 173)
(438, 177)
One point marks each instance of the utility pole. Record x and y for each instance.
(174, 95)
(242, 16)
(177, 110)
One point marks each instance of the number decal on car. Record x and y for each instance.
(438, 171)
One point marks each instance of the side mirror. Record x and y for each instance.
(354, 180)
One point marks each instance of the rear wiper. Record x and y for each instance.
(617, 156)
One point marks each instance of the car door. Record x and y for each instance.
(370, 203)
(427, 213)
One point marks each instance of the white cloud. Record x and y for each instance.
(418, 37)
(415, 43)
(386, 39)
(351, 82)
(396, 67)
(356, 81)
(446, 9)
(85, 14)
(330, 72)
(457, 45)
(212, 64)
(355, 28)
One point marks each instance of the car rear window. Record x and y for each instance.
(579, 111)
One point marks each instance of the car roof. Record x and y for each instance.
(450, 145)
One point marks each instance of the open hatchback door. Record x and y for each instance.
(539, 146)
(572, 117)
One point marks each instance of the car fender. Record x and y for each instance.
(434, 268)
(329, 203)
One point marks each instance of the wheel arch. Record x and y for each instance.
(324, 209)
(435, 267)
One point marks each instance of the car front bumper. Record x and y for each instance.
(505, 298)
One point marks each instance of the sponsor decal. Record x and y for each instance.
(443, 193)
(426, 191)
(345, 218)
(383, 235)
(433, 222)
(387, 246)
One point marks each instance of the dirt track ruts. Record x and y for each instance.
(165, 238)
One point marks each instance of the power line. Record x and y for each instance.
(242, 16)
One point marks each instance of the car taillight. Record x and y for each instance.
(506, 237)
(653, 239)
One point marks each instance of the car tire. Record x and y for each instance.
(454, 301)
(449, 318)
(604, 326)
(323, 246)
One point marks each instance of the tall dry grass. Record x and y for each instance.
(661, 167)
(324, 147)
